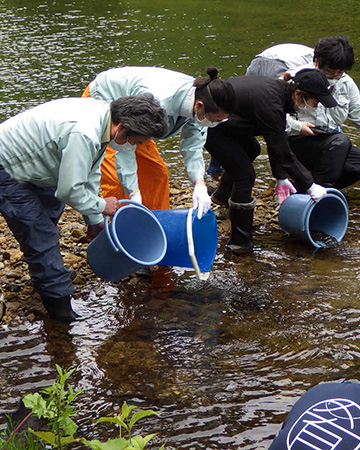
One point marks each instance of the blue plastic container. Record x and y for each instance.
(311, 221)
(133, 239)
(204, 236)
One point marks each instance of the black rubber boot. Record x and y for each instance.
(60, 308)
(241, 217)
(222, 194)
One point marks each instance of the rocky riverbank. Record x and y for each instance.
(19, 300)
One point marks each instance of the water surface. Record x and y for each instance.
(221, 361)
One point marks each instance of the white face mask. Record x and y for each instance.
(206, 122)
(332, 81)
(123, 147)
(305, 109)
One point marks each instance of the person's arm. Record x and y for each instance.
(126, 169)
(354, 103)
(192, 141)
(284, 163)
(293, 126)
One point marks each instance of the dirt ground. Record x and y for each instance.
(19, 301)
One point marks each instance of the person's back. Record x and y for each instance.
(31, 142)
(252, 96)
(275, 60)
(163, 83)
(291, 54)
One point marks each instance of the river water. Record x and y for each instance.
(221, 361)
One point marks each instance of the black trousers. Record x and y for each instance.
(351, 170)
(324, 155)
(236, 155)
(32, 214)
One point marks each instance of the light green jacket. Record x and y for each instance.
(170, 88)
(59, 145)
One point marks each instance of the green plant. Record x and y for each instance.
(54, 403)
(125, 421)
(16, 439)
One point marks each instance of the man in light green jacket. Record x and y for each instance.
(51, 155)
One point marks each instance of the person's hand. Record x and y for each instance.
(136, 196)
(283, 189)
(306, 129)
(201, 199)
(112, 205)
(93, 231)
(316, 192)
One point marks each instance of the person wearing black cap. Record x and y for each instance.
(261, 107)
(316, 133)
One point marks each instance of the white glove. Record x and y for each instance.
(316, 192)
(136, 196)
(283, 189)
(201, 200)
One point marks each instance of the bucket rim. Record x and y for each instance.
(118, 244)
(309, 211)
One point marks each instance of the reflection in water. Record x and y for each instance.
(221, 361)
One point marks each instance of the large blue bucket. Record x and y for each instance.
(313, 222)
(133, 239)
(201, 235)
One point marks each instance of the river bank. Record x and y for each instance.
(20, 301)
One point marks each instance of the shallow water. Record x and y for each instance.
(221, 361)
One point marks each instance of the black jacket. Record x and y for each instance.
(261, 107)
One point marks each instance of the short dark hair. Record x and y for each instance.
(216, 94)
(140, 115)
(334, 52)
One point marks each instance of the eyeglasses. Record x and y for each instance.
(334, 74)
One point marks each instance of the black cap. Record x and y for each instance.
(315, 83)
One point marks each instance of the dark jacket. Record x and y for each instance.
(261, 107)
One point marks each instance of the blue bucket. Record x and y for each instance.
(133, 239)
(202, 237)
(311, 221)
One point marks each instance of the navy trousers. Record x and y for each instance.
(32, 214)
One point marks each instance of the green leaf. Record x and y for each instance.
(46, 436)
(117, 420)
(36, 403)
(113, 444)
(51, 438)
(69, 426)
(139, 442)
(139, 415)
(126, 410)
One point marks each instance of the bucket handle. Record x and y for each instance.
(106, 221)
(133, 202)
(110, 239)
(200, 275)
(338, 193)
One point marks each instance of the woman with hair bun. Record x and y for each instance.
(192, 105)
(261, 107)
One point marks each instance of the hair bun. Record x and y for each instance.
(212, 72)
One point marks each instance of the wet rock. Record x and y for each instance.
(12, 255)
